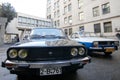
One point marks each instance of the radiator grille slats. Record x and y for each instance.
(106, 43)
(53, 53)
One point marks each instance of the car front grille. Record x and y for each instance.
(49, 53)
(106, 43)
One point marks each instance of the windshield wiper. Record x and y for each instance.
(36, 36)
(61, 37)
(46, 36)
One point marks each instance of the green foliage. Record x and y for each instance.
(7, 11)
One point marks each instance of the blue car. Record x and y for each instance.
(95, 43)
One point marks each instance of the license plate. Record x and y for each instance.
(50, 71)
(110, 50)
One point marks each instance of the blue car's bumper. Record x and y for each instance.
(103, 49)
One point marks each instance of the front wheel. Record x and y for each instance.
(108, 53)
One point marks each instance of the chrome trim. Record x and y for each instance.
(95, 48)
(39, 64)
(100, 47)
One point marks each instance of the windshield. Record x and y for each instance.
(47, 33)
(88, 34)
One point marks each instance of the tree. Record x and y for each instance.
(7, 11)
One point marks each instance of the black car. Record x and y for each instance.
(47, 51)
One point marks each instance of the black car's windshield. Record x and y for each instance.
(41, 33)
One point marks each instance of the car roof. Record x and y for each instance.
(46, 28)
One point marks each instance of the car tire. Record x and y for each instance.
(108, 53)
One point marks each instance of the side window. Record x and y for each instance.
(72, 36)
(75, 35)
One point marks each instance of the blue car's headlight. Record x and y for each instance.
(95, 44)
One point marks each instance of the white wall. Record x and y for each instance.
(12, 27)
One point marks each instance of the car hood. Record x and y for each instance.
(91, 39)
(63, 42)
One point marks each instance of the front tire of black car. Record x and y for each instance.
(108, 53)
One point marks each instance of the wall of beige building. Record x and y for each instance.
(88, 21)
(88, 14)
(89, 26)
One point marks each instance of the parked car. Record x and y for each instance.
(47, 51)
(95, 43)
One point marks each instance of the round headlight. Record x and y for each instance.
(95, 44)
(12, 53)
(22, 53)
(81, 51)
(74, 51)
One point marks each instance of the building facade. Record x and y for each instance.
(22, 25)
(99, 16)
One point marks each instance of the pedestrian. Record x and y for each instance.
(17, 38)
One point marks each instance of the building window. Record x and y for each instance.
(55, 23)
(65, 20)
(70, 19)
(24, 19)
(49, 9)
(58, 13)
(66, 31)
(65, 9)
(96, 11)
(81, 16)
(58, 23)
(70, 31)
(57, 4)
(106, 8)
(80, 3)
(28, 20)
(97, 28)
(65, 1)
(32, 21)
(49, 1)
(49, 16)
(81, 28)
(69, 7)
(55, 14)
(19, 19)
(107, 27)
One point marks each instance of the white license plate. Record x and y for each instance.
(50, 71)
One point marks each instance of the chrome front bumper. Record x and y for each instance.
(103, 49)
(40, 64)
